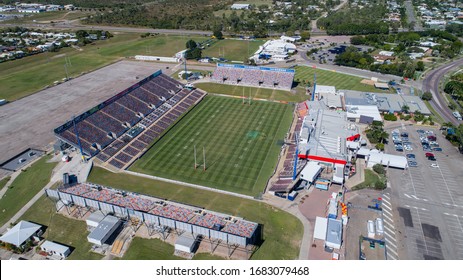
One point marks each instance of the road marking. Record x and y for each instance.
(387, 202)
(388, 219)
(387, 211)
(391, 229)
(392, 257)
(407, 195)
(390, 236)
(384, 205)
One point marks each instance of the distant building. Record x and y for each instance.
(240, 6)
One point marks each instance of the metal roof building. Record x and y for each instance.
(386, 102)
(20, 233)
(329, 130)
(334, 234)
(104, 230)
(55, 249)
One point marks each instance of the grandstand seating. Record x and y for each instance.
(159, 208)
(255, 76)
(121, 113)
(146, 96)
(134, 104)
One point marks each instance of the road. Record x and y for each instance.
(314, 22)
(431, 84)
(411, 16)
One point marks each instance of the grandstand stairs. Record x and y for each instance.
(122, 242)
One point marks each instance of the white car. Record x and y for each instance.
(434, 165)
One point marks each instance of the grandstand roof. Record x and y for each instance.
(329, 95)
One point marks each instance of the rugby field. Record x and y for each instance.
(241, 143)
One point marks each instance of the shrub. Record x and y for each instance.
(378, 168)
(380, 146)
(390, 117)
(380, 185)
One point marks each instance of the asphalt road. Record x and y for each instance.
(431, 84)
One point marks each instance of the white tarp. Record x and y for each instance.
(311, 171)
(321, 225)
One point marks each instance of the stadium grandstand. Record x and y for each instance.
(256, 76)
(120, 128)
(160, 216)
(285, 181)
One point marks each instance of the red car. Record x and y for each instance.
(429, 155)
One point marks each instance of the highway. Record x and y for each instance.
(431, 84)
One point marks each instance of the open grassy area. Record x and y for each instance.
(4, 181)
(25, 76)
(145, 249)
(232, 49)
(282, 231)
(242, 143)
(264, 93)
(24, 187)
(371, 178)
(49, 16)
(332, 78)
(61, 229)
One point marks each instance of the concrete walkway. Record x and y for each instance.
(292, 208)
(75, 166)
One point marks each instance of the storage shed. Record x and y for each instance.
(334, 234)
(104, 230)
(94, 219)
(185, 243)
(55, 249)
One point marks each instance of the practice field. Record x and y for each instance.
(241, 142)
(332, 78)
(233, 50)
(25, 76)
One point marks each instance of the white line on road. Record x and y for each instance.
(407, 195)
(387, 202)
(387, 207)
(390, 236)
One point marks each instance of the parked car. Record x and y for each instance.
(412, 164)
(432, 158)
(420, 131)
(437, 149)
(410, 156)
(404, 134)
(429, 154)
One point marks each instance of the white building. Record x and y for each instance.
(55, 249)
(240, 6)
(104, 230)
(21, 233)
(185, 244)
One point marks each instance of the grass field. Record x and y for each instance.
(25, 76)
(241, 143)
(282, 231)
(50, 16)
(331, 78)
(24, 187)
(4, 181)
(61, 229)
(233, 50)
(264, 93)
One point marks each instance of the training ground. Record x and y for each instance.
(241, 144)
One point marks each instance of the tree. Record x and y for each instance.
(190, 44)
(420, 66)
(426, 96)
(193, 53)
(405, 108)
(218, 34)
(305, 35)
(380, 146)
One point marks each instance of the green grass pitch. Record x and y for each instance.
(242, 144)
